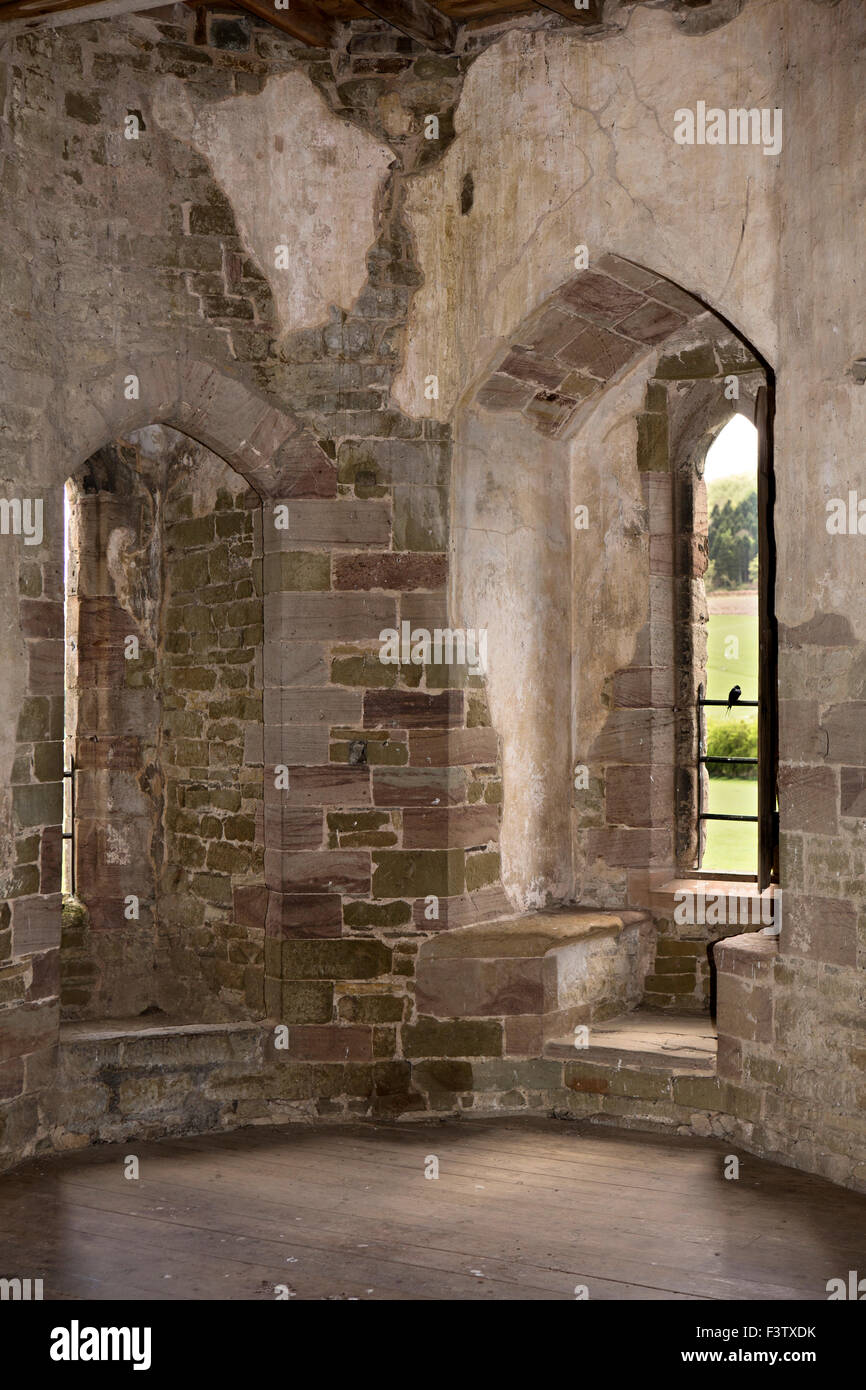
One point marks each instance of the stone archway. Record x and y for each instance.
(277, 456)
(572, 415)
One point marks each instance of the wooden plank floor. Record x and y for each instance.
(522, 1209)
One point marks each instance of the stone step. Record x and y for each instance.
(645, 1041)
(566, 967)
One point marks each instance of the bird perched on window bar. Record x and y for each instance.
(733, 696)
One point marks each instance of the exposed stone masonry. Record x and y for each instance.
(309, 904)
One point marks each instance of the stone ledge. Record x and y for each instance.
(661, 899)
(121, 1030)
(751, 954)
(531, 935)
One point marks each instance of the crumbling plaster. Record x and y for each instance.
(298, 177)
(571, 143)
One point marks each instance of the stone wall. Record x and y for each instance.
(211, 965)
(312, 376)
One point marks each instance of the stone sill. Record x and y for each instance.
(662, 899)
(115, 1030)
(529, 935)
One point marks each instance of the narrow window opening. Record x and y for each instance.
(736, 702)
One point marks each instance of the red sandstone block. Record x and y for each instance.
(853, 793)
(667, 293)
(799, 733)
(651, 323)
(730, 1058)
(331, 1043)
(525, 365)
(524, 1036)
(45, 661)
(327, 617)
(406, 709)
(658, 496)
(744, 1011)
(287, 829)
(627, 736)
(45, 983)
(598, 298)
(41, 618)
(418, 786)
(250, 904)
(460, 827)
(121, 753)
(112, 856)
(661, 555)
(106, 913)
(628, 795)
(692, 557)
(549, 410)
(391, 571)
(424, 609)
(300, 915)
(102, 627)
(302, 469)
(633, 687)
(626, 272)
(324, 705)
(295, 663)
(501, 392)
(335, 784)
(295, 745)
(629, 848)
(344, 521)
(823, 929)
(809, 798)
(846, 729)
(486, 905)
(751, 956)
(597, 352)
(454, 748)
(549, 331)
(465, 988)
(35, 924)
(28, 1028)
(321, 871)
(50, 855)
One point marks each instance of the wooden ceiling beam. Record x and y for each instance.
(419, 20)
(301, 20)
(590, 13)
(28, 13)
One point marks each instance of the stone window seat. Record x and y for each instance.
(541, 973)
(147, 1077)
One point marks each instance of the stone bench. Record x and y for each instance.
(123, 1077)
(542, 974)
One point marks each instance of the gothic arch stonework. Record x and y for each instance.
(583, 337)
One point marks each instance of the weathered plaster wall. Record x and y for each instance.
(299, 179)
(571, 143)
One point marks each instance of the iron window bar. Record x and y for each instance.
(704, 757)
(70, 833)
